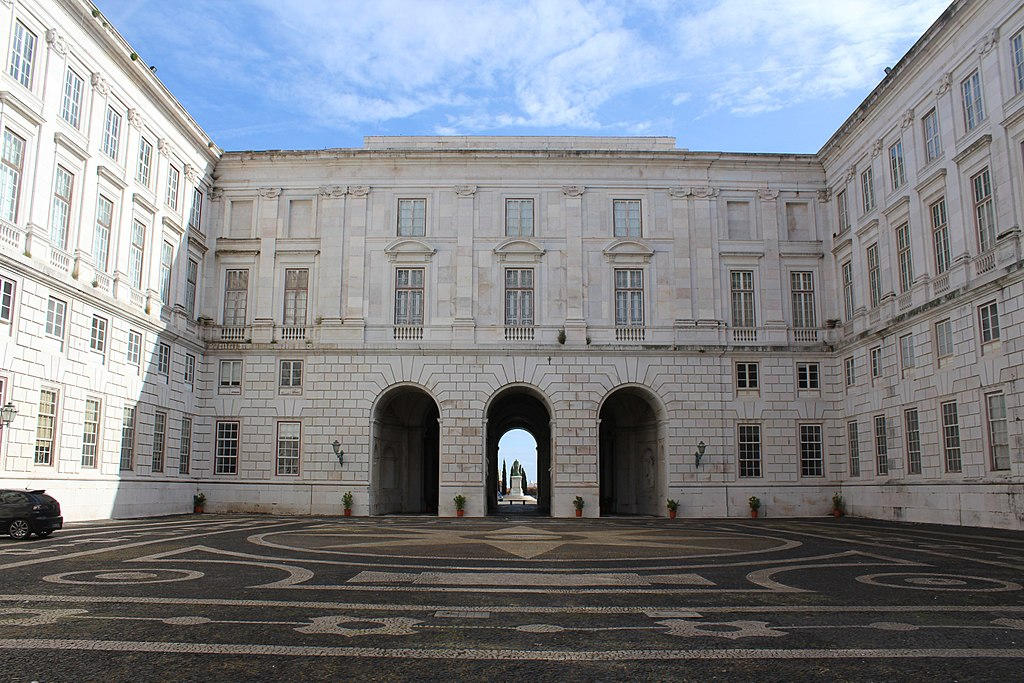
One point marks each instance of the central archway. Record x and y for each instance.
(631, 446)
(404, 463)
(519, 407)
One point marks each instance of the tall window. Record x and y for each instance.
(189, 374)
(940, 235)
(848, 302)
(101, 233)
(173, 178)
(185, 446)
(853, 444)
(875, 356)
(519, 297)
(128, 438)
(944, 338)
(136, 253)
(409, 296)
(236, 292)
(296, 293)
(974, 110)
(932, 143)
(904, 258)
(812, 460)
(166, 263)
(874, 275)
(951, 436)
(629, 297)
(849, 371)
(802, 289)
(988, 322)
(913, 441)
(10, 175)
(741, 286)
(808, 376)
(144, 164)
(748, 439)
(195, 217)
(291, 374)
(7, 289)
(163, 360)
(71, 103)
(1017, 52)
(412, 217)
(288, 447)
(91, 432)
(881, 446)
(60, 216)
(627, 217)
(226, 455)
(519, 217)
(111, 133)
(984, 210)
(230, 376)
(98, 335)
(46, 428)
(998, 440)
(843, 207)
(134, 356)
(867, 189)
(746, 376)
(907, 351)
(159, 440)
(191, 286)
(56, 314)
(898, 175)
(23, 52)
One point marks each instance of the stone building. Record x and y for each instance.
(704, 326)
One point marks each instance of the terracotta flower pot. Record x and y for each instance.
(671, 514)
(459, 513)
(753, 514)
(837, 513)
(348, 512)
(579, 512)
(197, 509)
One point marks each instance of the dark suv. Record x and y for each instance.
(25, 512)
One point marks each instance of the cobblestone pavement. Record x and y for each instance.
(231, 597)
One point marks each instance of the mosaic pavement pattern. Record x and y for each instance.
(232, 597)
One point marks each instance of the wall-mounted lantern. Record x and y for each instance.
(700, 452)
(338, 452)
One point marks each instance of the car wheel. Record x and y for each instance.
(44, 534)
(19, 529)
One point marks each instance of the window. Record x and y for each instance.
(56, 312)
(807, 376)
(848, 303)
(195, 217)
(144, 164)
(111, 133)
(898, 174)
(519, 217)
(988, 320)
(876, 361)
(984, 210)
(226, 456)
(874, 276)
(913, 441)
(71, 104)
(296, 293)
(748, 440)
(6, 300)
(10, 175)
(843, 207)
(236, 290)
(974, 110)
(627, 217)
(291, 374)
(46, 428)
(907, 351)
(90, 432)
(412, 217)
(940, 235)
(159, 439)
(853, 443)
(23, 52)
(881, 446)
(185, 446)
(746, 375)
(1017, 53)
(849, 368)
(230, 374)
(134, 356)
(98, 335)
(951, 436)
(60, 216)
(802, 289)
(741, 286)
(101, 234)
(288, 447)
(867, 189)
(166, 263)
(128, 438)
(944, 338)
(904, 258)
(190, 369)
(998, 440)
(191, 287)
(519, 297)
(136, 253)
(173, 178)
(812, 460)
(163, 360)
(409, 296)
(629, 297)
(932, 143)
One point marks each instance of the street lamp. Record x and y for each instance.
(7, 414)
(700, 452)
(338, 452)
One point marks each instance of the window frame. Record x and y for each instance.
(102, 232)
(410, 308)
(137, 254)
(627, 230)
(943, 350)
(49, 421)
(12, 172)
(808, 374)
(519, 298)
(166, 272)
(881, 427)
(843, 210)
(232, 302)
(745, 379)
(742, 299)
(997, 462)
(92, 432)
(8, 299)
(159, 441)
(897, 166)
(907, 355)
(295, 305)
(983, 202)
(18, 59)
(191, 288)
(98, 335)
(61, 207)
(291, 469)
(195, 215)
(939, 219)
(1017, 61)
(136, 357)
(70, 106)
(519, 203)
(850, 371)
(867, 190)
(849, 303)
(912, 430)
(188, 375)
(288, 378)
(932, 135)
(409, 229)
(853, 447)
(173, 187)
(129, 425)
(748, 460)
(904, 257)
(163, 360)
(811, 466)
(629, 299)
(56, 324)
(972, 100)
(988, 322)
(110, 144)
(185, 445)
(144, 162)
(230, 382)
(875, 361)
(874, 274)
(951, 444)
(225, 457)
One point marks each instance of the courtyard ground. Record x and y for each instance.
(212, 598)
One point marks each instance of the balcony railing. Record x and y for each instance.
(804, 335)
(137, 298)
(985, 262)
(518, 332)
(941, 283)
(234, 333)
(630, 334)
(10, 235)
(905, 301)
(102, 282)
(408, 332)
(60, 259)
(744, 335)
(293, 332)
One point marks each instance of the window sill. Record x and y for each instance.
(808, 393)
(229, 390)
(748, 393)
(991, 348)
(289, 391)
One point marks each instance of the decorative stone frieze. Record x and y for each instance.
(99, 83)
(767, 194)
(573, 190)
(269, 192)
(359, 190)
(465, 190)
(56, 42)
(332, 191)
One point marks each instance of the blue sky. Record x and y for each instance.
(734, 75)
(518, 444)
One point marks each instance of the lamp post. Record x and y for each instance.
(338, 452)
(7, 414)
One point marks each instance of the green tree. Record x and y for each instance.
(504, 479)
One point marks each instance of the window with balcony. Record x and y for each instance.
(60, 214)
(940, 235)
(236, 295)
(409, 297)
(11, 161)
(136, 253)
(101, 234)
(296, 295)
(874, 275)
(71, 101)
(848, 301)
(519, 298)
(984, 210)
(166, 266)
(904, 258)
(801, 285)
(191, 288)
(741, 289)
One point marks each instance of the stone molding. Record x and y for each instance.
(56, 41)
(573, 190)
(99, 83)
(409, 250)
(519, 250)
(332, 191)
(465, 190)
(627, 252)
(269, 192)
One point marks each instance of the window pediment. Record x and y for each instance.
(518, 250)
(628, 252)
(409, 250)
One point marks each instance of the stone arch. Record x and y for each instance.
(632, 459)
(404, 450)
(523, 406)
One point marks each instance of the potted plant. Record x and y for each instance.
(673, 507)
(460, 505)
(838, 506)
(755, 505)
(346, 501)
(198, 501)
(579, 503)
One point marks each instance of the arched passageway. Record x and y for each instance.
(631, 454)
(519, 408)
(404, 461)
